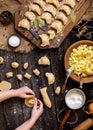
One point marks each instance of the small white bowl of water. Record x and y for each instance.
(75, 98)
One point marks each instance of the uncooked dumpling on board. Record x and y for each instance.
(71, 3)
(66, 9)
(47, 17)
(44, 39)
(30, 15)
(52, 34)
(24, 23)
(54, 2)
(61, 16)
(35, 8)
(51, 9)
(57, 25)
(41, 3)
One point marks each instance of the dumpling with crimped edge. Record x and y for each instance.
(51, 9)
(57, 25)
(54, 2)
(61, 16)
(66, 9)
(44, 39)
(47, 17)
(41, 3)
(30, 15)
(52, 34)
(35, 8)
(30, 101)
(24, 23)
(71, 3)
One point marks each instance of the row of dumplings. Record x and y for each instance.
(55, 14)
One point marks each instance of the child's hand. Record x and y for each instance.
(37, 110)
(24, 92)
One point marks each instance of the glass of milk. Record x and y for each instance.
(75, 98)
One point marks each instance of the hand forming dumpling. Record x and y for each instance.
(51, 9)
(41, 3)
(61, 16)
(66, 9)
(30, 15)
(54, 2)
(35, 8)
(45, 40)
(71, 3)
(57, 25)
(24, 23)
(47, 17)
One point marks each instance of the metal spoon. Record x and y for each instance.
(81, 82)
(68, 73)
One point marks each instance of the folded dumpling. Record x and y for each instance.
(51, 9)
(44, 39)
(61, 16)
(66, 9)
(35, 8)
(47, 17)
(54, 2)
(41, 3)
(52, 34)
(30, 15)
(57, 25)
(24, 23)
(71, 3)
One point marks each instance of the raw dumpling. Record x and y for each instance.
(51, 9)
(52, 34)
(61, 16)
(41, 3)
(71, 3)
(24, 23)
(54, 2)
(35, 8)
(57, 25)
(30, 15)
(45, 40)
(47, 17)
(66, 9)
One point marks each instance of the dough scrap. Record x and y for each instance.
(14, 65)
(4, 85)
(19, 77)
(45, 97)
(50, 77)
(9, 74)
(36, 72)
(27, 76)
(25, 66)
(1, 60)
(58, 90)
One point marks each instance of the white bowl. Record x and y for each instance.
(75, 98)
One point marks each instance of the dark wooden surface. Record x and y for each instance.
(13, 112)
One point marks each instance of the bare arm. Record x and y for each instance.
(23, 92)
(36, 113)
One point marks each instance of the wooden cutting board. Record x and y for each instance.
(79, 11)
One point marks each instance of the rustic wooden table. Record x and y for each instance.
(13, 112)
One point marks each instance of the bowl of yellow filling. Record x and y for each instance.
(79, 58)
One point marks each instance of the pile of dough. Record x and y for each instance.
(30, 101)
(4, 85)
